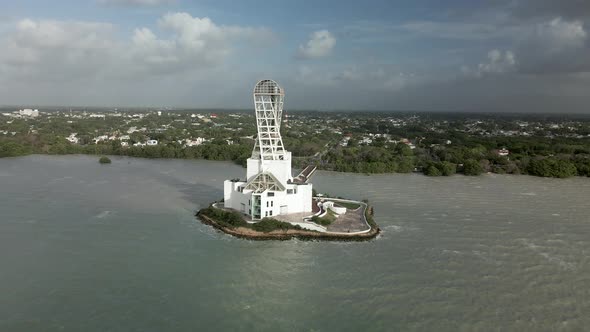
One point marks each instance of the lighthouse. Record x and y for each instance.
(270, 188)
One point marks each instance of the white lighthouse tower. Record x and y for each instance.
(270, 188)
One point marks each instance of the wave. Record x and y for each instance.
(102, 215)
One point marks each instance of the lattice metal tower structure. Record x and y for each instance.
(268, 104)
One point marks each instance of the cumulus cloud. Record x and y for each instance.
(358, 79)
(62, 48)
(61, 62)
(55, 49)
(558, 34)
(555, 46)
(320, 44)
(497, 62)
(552, 46)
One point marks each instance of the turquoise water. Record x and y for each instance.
(90, 247)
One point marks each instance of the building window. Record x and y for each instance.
(270, 213)
(272, 203)
(289, 191)
(266, 203)
(249, 202)
(270, 194)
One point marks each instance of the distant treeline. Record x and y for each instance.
(545, 157)
(534, 156)
(237, 152)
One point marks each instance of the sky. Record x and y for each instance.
(417, 55)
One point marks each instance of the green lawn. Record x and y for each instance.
(350, 206)
(325, 220)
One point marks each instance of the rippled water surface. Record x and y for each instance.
(90, 247)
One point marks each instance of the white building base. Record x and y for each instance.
(294, 199)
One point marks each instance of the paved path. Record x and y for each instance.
(293, 217)
(352, 220)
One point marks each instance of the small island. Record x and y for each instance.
(333, 220)
(271, 203)
(104, 160)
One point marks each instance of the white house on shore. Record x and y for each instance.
(269, 188)
(29, 112)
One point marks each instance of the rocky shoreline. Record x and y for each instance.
(282, 235)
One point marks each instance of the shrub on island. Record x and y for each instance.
(472, 167)
(369, 216)
(269, 224)
(104, 160)
(443, 168)
(348, 205)
(225, 218)
(233, 219)
(432, 171)
(325, 220)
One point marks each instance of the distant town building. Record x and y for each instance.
(72, 138)
(152, 142)
(100, 138)
(193, 142)
(29, 112)
(503, 152)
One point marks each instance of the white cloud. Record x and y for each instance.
(554, 46)
(319, 45)
(557, 35)
(498, 62)
(359, 78)
(61, 34)
(182, 58)
(55, 49)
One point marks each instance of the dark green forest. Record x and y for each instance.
(434, 144)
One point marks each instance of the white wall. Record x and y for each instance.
(296, 203)
(232, 198)
(281, 169)
(330, 205)
(252, 168)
